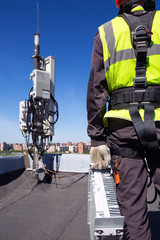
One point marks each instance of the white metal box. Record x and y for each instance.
(50, 68)
(104, 218)
(41, 84)
(23, 109)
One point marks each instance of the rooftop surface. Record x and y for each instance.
(56, 211)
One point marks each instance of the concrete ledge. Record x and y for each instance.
(78, 163)
(10, 164)
(11, 168)
(74, 163)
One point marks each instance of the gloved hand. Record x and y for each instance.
(100, 156)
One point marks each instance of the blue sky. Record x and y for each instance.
(67, 30)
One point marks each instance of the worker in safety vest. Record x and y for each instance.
(125, 72)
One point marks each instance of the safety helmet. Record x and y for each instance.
(148, 4)
(119, 2)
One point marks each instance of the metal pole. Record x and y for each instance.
(36, 113)
(36, 50)
(37, 17)
(35, 125)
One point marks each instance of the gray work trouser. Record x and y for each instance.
(132, 189)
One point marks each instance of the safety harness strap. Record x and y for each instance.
(150, 128)
(146, 131)
(140, 28)
(123, 97)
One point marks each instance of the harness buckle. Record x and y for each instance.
(140, 82)
(141, 37)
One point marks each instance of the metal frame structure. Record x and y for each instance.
(104, 218)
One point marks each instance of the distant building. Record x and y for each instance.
(4, 146)
(73, 149)
(62, 148)
(88, 146)
(69, 144)
(81, 147)
(10, 146)
(17, 147)
(52, 148)
(68, 147)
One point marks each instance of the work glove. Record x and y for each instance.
(100, 157)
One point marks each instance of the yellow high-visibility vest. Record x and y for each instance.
(120, 60)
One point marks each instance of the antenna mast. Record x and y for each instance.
(37, 17)
(36, 42)
(38, 113)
